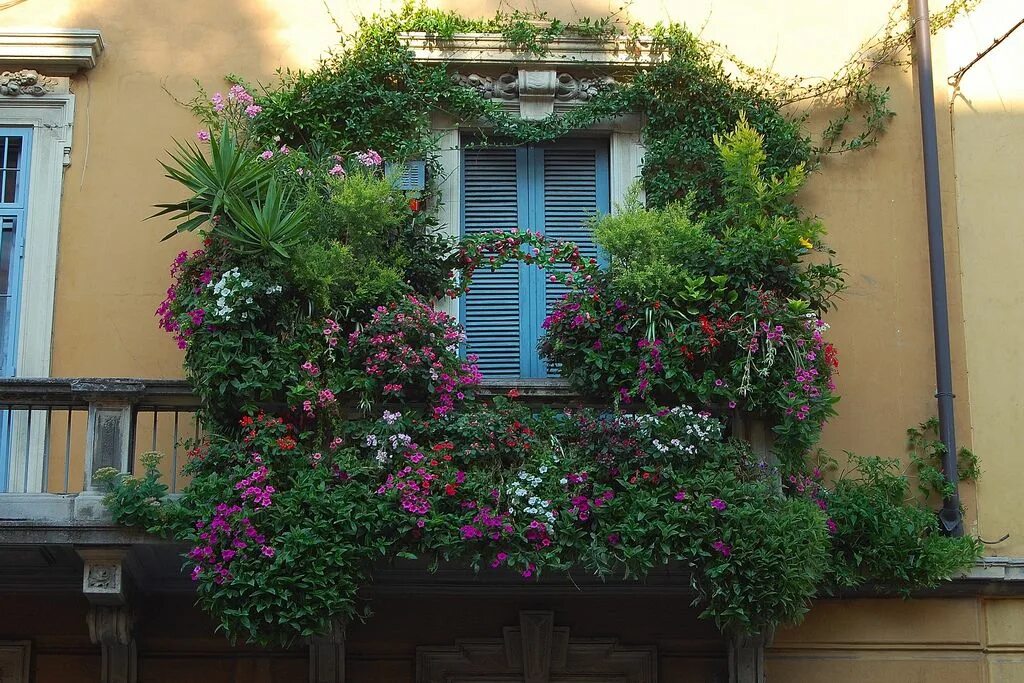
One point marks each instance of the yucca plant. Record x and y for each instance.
(232, 173)
(263, 226)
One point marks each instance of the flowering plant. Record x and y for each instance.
(325, 307)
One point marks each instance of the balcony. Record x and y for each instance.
(56, 432)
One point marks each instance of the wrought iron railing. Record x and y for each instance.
(55, 432)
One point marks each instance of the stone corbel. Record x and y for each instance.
(111, 618)
(327, 655)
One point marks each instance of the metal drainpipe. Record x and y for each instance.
(950, 514)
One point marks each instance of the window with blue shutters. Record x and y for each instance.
(553, 189)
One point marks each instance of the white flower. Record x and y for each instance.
(563, 481)
(543, 469)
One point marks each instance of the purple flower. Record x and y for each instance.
(614, 539)
(722, 547)
(203, 136)
(718, 504)
(267, 551)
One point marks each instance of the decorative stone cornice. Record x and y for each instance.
(25, 82)
(58, 51)
(492, 49)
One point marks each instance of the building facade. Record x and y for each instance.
(90, 98)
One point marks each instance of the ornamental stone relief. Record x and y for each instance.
(509, 85)
(25, 82)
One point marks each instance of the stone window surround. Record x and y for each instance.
(533, 87)
(43, 102)
(35, 93)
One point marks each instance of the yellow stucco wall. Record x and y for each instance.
(112, 271)
(988, 138)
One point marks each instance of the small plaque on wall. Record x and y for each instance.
(14, 661)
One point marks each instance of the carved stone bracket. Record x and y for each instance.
(25, 82)
(111, 619)
(112, 627)
(536, 651)
(327, 656)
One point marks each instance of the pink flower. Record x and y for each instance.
(267, 155)
(337, 170)
(203, 136)
(369, 158)
(285, 150)
(218, 102)
(267, 551)
(831, 524)
(722, 547)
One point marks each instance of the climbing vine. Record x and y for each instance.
(341, 410)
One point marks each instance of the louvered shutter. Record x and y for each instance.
(491, 310)
(575, 188)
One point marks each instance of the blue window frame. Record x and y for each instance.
(15, 152)
(552, 188)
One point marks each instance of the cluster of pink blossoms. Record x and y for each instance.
(237, 96)
(251, 489)
(182, 324)
(222, 539)
(412, 347)
(370, 158)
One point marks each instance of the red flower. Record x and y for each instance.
(449, 489)
(513, 393)
(286, 443)
(414, 204)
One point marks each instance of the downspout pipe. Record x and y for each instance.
(950, 513)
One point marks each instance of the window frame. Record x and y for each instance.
(50, 117)
(531, 214)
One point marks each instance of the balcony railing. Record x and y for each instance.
(55, 433)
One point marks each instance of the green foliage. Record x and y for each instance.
(263, 226)
(342, 427)
(140, 502)
(232, 174)
(887, 539)
(926, 455)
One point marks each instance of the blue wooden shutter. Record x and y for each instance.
(14, 155)
(492, 183)
(573, 188)
(15, 151)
